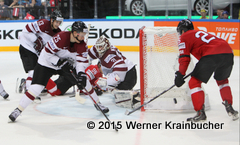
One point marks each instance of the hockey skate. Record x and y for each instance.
(21, 85)
(103, 108)
(231, 112)
(200, 117)
(44, 92)
(4, 94)
(13, 116)
(37, 100)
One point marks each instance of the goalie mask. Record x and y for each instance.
(184, 25)
(102, 45)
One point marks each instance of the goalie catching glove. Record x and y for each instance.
(179, 81)
(81, 80)
(38, 44)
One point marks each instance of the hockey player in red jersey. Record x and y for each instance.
(32, 40)
(215, 56)
(62, 49)
(94, 72)
(63, 83)
(121, 71)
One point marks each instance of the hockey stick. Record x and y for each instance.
(77, 96)
(128, 113)
(89, 26)
(94, 101)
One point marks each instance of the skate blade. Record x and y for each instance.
(234, 118)
(126, 112)
(37, 101)
(191, 120)
(10, 121)
(7, 99)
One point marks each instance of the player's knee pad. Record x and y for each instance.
(113, 80)
(194, 83)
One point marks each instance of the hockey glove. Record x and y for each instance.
(98, 91)
(38, 45)
(81, 80)
(61, 62)
(179, 81)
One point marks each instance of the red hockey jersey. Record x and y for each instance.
(93, 73)
(199, 44)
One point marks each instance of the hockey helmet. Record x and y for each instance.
(184, 25)
(79, 26)
(56, 15)
(102, 45)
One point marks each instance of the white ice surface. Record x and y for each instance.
(63, 121)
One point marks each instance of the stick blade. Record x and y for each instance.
(80, 99)
(127, 112)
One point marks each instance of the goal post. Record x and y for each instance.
(158, 64)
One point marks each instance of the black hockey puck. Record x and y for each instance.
(175, 100)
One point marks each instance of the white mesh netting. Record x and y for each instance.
(160, 62)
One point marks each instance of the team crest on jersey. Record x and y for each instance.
(109, 57)
(182, 45)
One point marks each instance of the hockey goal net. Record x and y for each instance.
(158, 64)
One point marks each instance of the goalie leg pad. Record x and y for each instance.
(126, 99)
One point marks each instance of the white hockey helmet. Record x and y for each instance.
(102, 45)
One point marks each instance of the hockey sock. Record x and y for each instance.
(225, 90)
(29, 79)
(1, 87)
(24, 102)
(52, 88)
(197, 93)
(33, 91)
(91, 91)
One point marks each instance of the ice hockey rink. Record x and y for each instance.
(63, 121)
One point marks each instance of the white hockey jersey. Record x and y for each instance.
(59, 47)
(113, 63)
(31, 31)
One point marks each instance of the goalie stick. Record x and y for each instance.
(128, 113)
(115, 127)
